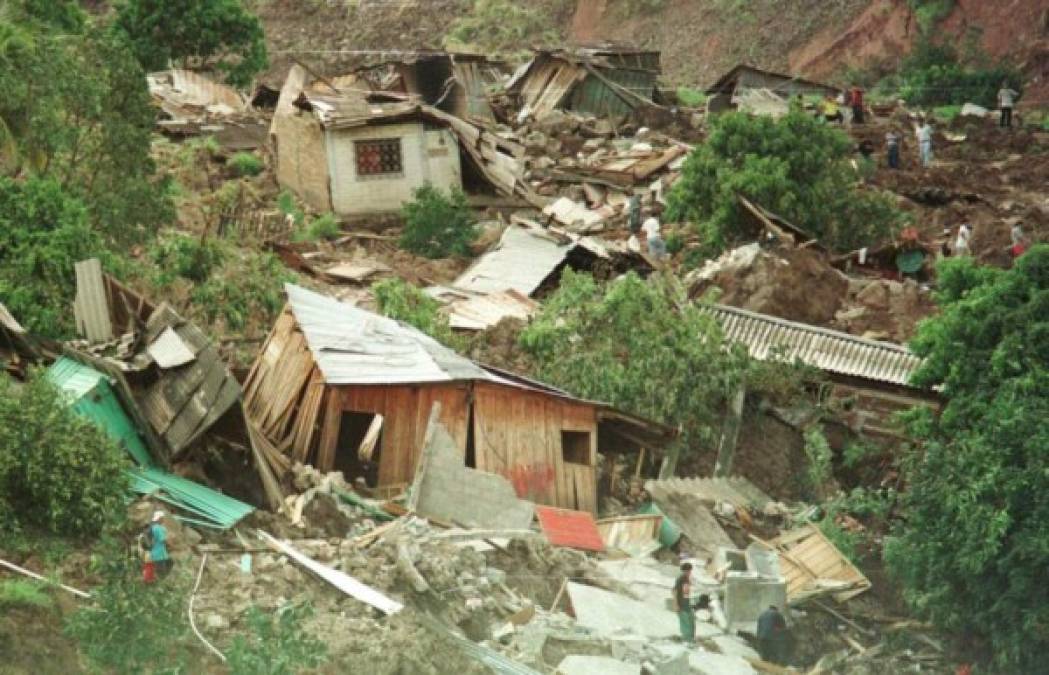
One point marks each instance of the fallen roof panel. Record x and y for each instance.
(215, 508)
(767, 337)
(521, 261)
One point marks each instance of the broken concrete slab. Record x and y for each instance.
(576, 664)
(709, 663)
(608, 613)
(444, 480)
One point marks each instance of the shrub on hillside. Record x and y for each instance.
(191, 258)
(58, 471)
(971, 547)
(438, 225)
(934, 75)
(278, 643)
(44, 232)
(246, 164)
(797, 167)
(403, 302)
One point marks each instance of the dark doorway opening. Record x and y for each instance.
(355, 458)
(471, 448)
(575, 447)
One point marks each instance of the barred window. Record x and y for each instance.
(379, 157)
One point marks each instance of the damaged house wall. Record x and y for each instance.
(328, 369)
(742, 78)
(298, 146)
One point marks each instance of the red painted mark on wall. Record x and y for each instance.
(530, 479)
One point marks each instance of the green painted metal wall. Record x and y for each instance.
(94, 398)
(595, 97)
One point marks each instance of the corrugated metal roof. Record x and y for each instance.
(91, 306)
(358, 108)
(521, 261)
(573, 529)
(355, 346)
(833, 351)
(209, 508)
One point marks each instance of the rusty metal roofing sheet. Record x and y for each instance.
(521, 262)
(766, 337)
(573, 529)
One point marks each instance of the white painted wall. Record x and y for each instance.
(427, 156)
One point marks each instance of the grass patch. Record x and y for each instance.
(691, 98)
(24, 593)
(947, 113)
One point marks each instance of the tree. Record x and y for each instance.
(219, 33)
(58, 471)
(639, 346)
(76, 109)
(972, 548)
(44, 231)
(797, 167)
(438, 226)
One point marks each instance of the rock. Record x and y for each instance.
(216, 622)
(874, 296)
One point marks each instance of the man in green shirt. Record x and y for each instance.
(683, 604)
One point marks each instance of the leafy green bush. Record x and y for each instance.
(971, 547)
(675, 242)
(438, 226)
(289, 206)
(85, 122)
(640, 346)
(819, 455)
(796, 166)
(403, 302)
(277, 645)
(320, 228)
(131, 627)
(181, 255)
(691, 98)
(928, 13)
(934, 75)
(219, 33)
(58, 471)
(249, 288)
(44, 231)
(246, 164)
(24, 593)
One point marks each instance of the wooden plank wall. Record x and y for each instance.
(518, 435)
(406, 409)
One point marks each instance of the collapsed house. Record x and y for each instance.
(739, 83)
(342, 388)
(868, 382)
(605, 81)
(351, 152)
(191, 104)
(456, 83)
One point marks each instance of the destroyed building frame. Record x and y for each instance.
(342, 388)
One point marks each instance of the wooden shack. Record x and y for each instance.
(726, 91)
(342, 388)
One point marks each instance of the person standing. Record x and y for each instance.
(772, 636)
(683, 604)
(158, 552)
(924, 133)
(892, 149)
(634, 214)
(1019, 241)
(1006, 101)
(657, 248)
(961, 242)
(831, 110)
(856, 100)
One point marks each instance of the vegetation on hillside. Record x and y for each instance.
(797, 167)
(642, 347)
(972, 546)
(437, 225)
(220, 34)
(58, 472)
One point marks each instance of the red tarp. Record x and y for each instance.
(574, 529)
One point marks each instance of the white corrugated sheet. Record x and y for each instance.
(355, 346)
(768, 336)
(521, 262)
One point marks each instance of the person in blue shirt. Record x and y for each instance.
(158, 553)
(772, 636)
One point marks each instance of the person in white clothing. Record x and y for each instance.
(657, 248)
(961, 243)
(1006, 102)
(924, 133)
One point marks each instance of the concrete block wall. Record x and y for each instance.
(427, 155)
(454, 493)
